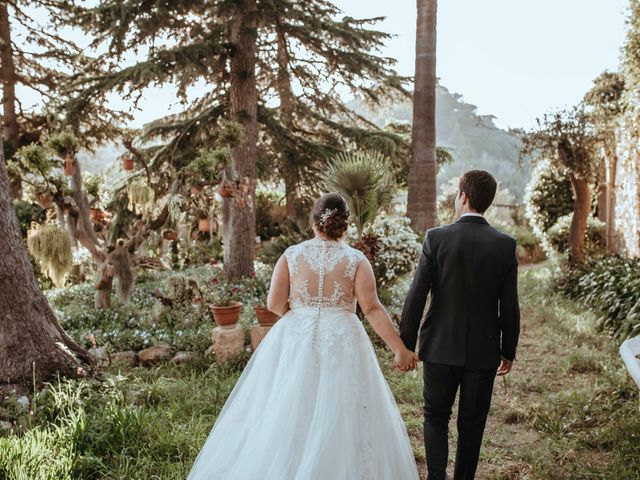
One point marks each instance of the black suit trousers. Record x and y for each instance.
(441, 383)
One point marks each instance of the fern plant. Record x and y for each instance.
(364, 179)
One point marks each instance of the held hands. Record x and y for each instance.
(505, 367)
(406, 360)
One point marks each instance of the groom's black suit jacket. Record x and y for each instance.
(471, 270)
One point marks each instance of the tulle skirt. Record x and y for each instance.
(311, 404)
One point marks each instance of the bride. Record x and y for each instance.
(312, 403)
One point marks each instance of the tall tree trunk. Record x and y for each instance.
(581, 212)
(32, 342)
(422, 195)
(8, 78)
(602, 190)
(240, 227)
(611, 161)
(286, 113)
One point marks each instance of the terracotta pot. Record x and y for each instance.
(224, 316)
(68, 166)
(265, 317)
(203, 225)
(225, 190)
(127, 164)
(96, 214)
(45, 200)
(170, 235)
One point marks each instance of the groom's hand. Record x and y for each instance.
(505, 367)
(406, 360)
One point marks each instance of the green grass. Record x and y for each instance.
(568, 411)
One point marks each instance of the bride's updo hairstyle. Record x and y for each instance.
(330, 215)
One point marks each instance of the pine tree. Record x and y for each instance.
(298, 52)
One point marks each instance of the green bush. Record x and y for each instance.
(594, 243)
(271, 213)
(611, 286)
(548, 196)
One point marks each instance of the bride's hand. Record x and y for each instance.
(406, 360)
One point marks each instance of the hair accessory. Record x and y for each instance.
(326, 215)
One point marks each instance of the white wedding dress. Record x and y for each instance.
(312, 403)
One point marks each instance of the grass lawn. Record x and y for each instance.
(567, 411)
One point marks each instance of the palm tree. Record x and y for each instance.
(363, 179)
(422, 196)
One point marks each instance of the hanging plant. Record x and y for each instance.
(51, 246)
(141, 196)
(128, 163)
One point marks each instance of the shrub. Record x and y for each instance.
(398, 248)
(611, 286)
(548, 197)
(270, 213)
(558, 236)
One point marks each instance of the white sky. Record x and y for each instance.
(515, 59)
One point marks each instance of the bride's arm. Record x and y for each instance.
(367, 295)
(278, 298)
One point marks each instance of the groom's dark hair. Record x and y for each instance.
(480, 188)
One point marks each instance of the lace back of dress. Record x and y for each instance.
(322, 274)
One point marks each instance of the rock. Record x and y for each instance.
(155, 354)
(257, 334)
(127, 359)
(101, 355)
(23, 402)
(184, 357)
(228, 342)
(6, 426)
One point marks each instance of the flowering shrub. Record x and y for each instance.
(216, 291)
(399, 248)
(144, 321)
(611, 286)
(594, 242)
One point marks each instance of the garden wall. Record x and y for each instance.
(626, 196)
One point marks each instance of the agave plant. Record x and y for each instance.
(364, 179)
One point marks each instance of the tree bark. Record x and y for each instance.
(32, 342)
(240, 227)
(611, 161)
(8, 78)
(286, 113)
(422, 194)
(581, 211)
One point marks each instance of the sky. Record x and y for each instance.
(514, 59)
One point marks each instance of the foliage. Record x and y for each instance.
(275, 248)
(145, 320)
(218, 292)
(558, 236)
(548, 196)
(28, 213)
(271, 215)
(610, 286)
(63, 143)
(141, 195)
(93, 185)
(51, 246)
(362, 178)
(398, 248)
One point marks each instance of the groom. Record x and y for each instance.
(471, 329)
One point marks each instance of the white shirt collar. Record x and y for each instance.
(471, 214)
